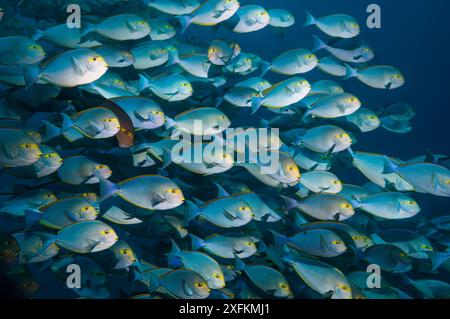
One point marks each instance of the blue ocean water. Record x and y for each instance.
(413, 37)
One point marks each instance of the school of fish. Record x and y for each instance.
(88, 176)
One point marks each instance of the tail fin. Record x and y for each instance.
(67, 122)
(389, 166)
(185, 21)
(51, 131)
(289, 203)
(239, 264)
(144, 82)
(192, 211)
(350, 72)
(196, 242)
(30, 74)
(218, 81)
(88, 28)
(32, 217)
(256, 103)
(167, 158)
(38, 35)
(107, 189)
(310, 20)
(318, 44)
(265, 67)
(279, 239)
(437, 258)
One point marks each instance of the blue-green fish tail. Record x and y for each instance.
(196, 242)
(310, 20)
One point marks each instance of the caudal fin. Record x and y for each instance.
(51, 131)
(185, 21)
(192, 211)
(31, 75)
(256, 103)
(107, 189)
(279, 239)
(350, 72)
(265, 67)
(318, 44)
(196, 242)
(310, 20)
(32, 217)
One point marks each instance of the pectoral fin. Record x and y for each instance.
(79, 68)
(188, 290)
(7, 151)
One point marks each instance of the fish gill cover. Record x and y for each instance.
(214, 149)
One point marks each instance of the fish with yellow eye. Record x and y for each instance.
(315, 242)
(280, 171)
(78, 169)
(17, 148)
(377, 76)
(145, 114)
(94, 123)
(268, 280)
(115, 57)
(124, 255)
(153, 192)
(412, 243)
(282, 94)
(203, 264)
(364, 119)
(68, 69)
(323, 206)
(389, 205)
(327, 280)
(61, 213)
(292, 62)
(320, 139)
(225, 212)
(161, 30)
(221, 52)
(361, 54)
(178, 283)
(16, 50)
(213, 121)
(213, 159)
(389, 258)
(121, 27)
(16, 206)
(149, 55)
(84, 237)
(47, 164)
(228, 245)
(257, 83)
(424, 177)
(334, 106)
(247, 19)
(172, 88)
(321, 182)
(336, 25)
(209, 13)
(240, 64)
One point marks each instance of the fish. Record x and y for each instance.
(336, 25)
(210, 13)
(362, 54)
(17, 148)
(153, 192)
(203, 264)
(250, 18)
(78, 170)
(69, 69)
(292, 62)
(174, 87)
(389, 205)
(116, 57)
(121, 27)
(226, 245)
(377, 76)
(144, 113)
(20, 50)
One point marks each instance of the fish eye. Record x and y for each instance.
(283, 286)
(248, 60)
(346, 205)
(402, 254)
(412, 203)
(174, 190)
(355, 25)
(250, 243)
(199, 284)
(218, 276)
(86, 208)
(336, 182)
(106, 231)
(336, 242)
(125, 251)
(244, 208)
(447, 182)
